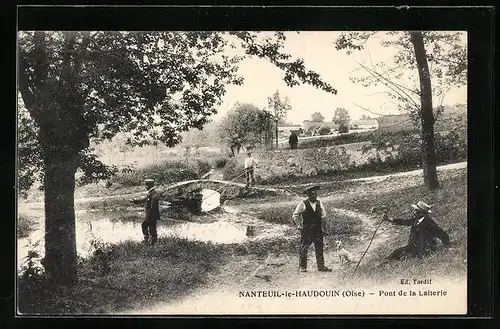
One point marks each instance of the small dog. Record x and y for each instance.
(344, 255)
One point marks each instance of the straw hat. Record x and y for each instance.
(422, 206)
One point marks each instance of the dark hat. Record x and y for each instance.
(310, 189)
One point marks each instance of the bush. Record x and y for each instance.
(220, 162)
(165, 172)
(124, 275)
(449, 147)
(25, 225)
(324, 131)
(343, 128)
(335, 140)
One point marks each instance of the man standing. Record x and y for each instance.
(250, 163)
(422, 233)
(152, 207)
(312, 226)
(293, 140)
(235, 145)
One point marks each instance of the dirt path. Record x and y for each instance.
(279, 272)
(216, 175)
(276, 272)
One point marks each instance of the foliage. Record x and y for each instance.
(324, 131)
(102, 253)
(152, 85)
(251, 124)
(28, 152)
(341, 116)
(165, 172)
(317, 117)
(25, 225)
(450, 147)
(267, 46)
(220, 162)
(279, 107)
(343, 128)
(450, 212)
(80, 86)
(133, 76)
(207, 136)
(31, 268)
(446, 52)
(137, 275)
(416, 50)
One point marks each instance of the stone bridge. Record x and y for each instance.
(228, 190)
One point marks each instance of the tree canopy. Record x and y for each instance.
(317, 117)
(251, 124)
(446, 53)
(151, 85)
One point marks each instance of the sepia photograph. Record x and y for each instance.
(242, 172)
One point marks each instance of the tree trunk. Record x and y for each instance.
(60, 234)
(426, 115)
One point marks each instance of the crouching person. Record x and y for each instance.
(152, 212)
(423, 233)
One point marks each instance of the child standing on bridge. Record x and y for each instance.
(250, 163)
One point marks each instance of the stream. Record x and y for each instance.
(225, 225)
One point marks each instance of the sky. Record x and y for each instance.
(262, 79)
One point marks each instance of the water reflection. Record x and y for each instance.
(110, 230)
(210, 201)
(124, 224)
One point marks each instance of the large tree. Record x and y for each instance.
(78, 86)
(317, 117)
(440, 61)
(251, 124)
(342, 118)
(279, 108)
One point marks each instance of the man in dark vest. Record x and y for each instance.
(293, 140)
(152, 206)
(235, 145)
(311, 227)
(423, 233)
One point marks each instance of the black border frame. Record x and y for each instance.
(478, 21)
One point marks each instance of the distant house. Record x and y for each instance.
(448, 118)
(312, 127)
(364, 124)
(285, 131)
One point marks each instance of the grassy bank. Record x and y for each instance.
(125, 275)
(449, 211)
(165, 172)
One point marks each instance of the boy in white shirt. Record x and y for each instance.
(250, 163)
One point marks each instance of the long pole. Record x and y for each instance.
(276, 134)
(371, 240)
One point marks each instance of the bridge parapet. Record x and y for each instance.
(228, 190)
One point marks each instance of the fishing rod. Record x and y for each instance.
(371, 240)
(219, 189)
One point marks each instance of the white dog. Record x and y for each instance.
(344, 255)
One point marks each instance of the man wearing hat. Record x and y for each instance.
(423, 232)
(152, 207)
(311, 228)
(250, 164)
